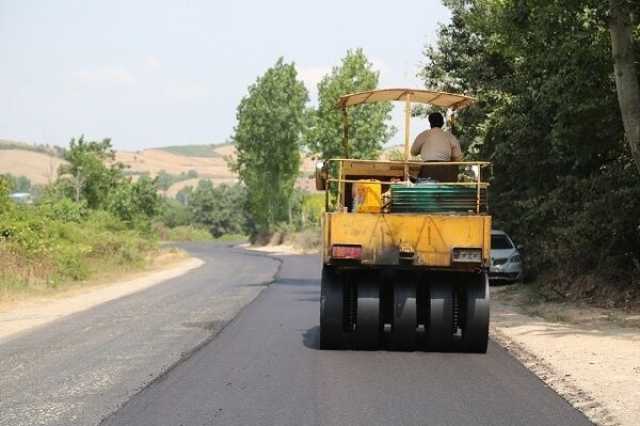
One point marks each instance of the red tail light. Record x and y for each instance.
(346, 252)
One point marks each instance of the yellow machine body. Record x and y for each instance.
(406, 251)
(409, 239)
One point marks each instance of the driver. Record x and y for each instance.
(436, 144)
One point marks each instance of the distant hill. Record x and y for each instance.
(40, 164)
(39, 167)
(56, 151)
(194, 150)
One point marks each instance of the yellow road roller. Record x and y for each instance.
(405, 260)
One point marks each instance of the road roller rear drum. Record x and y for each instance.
(366, 309)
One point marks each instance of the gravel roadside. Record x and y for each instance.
(28, 314)
(594, 366)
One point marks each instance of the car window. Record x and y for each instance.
(500, 242)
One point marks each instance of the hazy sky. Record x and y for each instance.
(153, 73)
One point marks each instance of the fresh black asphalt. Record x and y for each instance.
(79, 369)
(265, 368)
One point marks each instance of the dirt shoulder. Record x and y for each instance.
(283, 249)
(21, 315)
(590, 356)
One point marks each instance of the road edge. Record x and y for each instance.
(42, 312)
(185, 356)
(578, 398)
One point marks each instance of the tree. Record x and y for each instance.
(91, 178)
(621, 29)
(184, 195)
(18, 183)
(368, 128)
(131, 201)
(548, 118)
(268, 135)
(220, 209)
(164, 180)
(175, 213)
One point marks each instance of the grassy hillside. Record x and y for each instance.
(39, 167)
(55, 151)
(209, 161)
(193, 150)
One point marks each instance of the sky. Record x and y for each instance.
(150, 73)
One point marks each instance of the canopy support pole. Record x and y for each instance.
(407, 128)
(345, 136)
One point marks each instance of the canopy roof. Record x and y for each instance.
(441, 99)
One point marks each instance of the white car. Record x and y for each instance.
(506, 262)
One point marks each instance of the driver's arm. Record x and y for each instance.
(456, 151)
(417, 145)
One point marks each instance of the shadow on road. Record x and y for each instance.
(298, 282)
(311, 338)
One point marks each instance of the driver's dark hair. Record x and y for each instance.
(436, 119)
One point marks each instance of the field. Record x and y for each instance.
(209, 161)
(193, 150)
(40, 168)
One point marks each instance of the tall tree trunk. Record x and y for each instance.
(620, 28)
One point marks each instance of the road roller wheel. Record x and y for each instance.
(440, 327)
(368, 319)
(403, 334)
(332, 335)
(475, 322)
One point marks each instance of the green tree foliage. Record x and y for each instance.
(184, 195)
(368, 128)
(4, 193)
(91, 178)
(221, 209)
(174, 213)
(267, 137)
(18, 183)
(311, 209)
(131, 201)
(166, 180)
(549, 120)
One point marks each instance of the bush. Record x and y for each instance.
(221, 209)
(63, 210)
(174, 214)
(134, 201)
(41, 248)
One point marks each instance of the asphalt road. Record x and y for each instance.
(81, 368)
(265, 368)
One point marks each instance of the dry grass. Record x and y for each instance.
(40, 168)
(531, 301)
(305, 241)
(24, 280)
(308, 240)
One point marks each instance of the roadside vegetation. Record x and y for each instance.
(558, 114)
(92, 220)
(550, 118)
(275, 127)
(165, 180)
